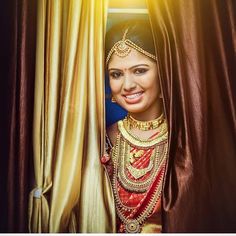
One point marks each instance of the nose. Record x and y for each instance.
(129, 83)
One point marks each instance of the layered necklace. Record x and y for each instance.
(127, 174)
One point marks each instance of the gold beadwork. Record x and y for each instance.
(145, 125)
(121, 154)
(144, 144)
(134, 225)
(115, 155)
(120, 157)
(123, 47)
(157, 158)
(135, 155)
(138, 221)
(138, 173)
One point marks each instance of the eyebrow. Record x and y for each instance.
(132, 67)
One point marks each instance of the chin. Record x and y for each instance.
(134, 108)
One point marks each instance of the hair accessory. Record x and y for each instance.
(123, 47)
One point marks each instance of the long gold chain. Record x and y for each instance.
(120, 156)
(116, 153)
(156, 159)
(136, 185)
(133, 225)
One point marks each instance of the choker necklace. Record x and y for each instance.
(144, 125)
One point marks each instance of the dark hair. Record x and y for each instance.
(139, 32)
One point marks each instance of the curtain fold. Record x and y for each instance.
(38, 202)
(69, 119)
(195, 44)
(18, 35)
(95, 211)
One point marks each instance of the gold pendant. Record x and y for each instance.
(121, 151)
(132, 226)
(135, 155)
(138, 173)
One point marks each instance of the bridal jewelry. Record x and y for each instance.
(137, 142)
(158, 151)
(145, 125)
(135, 155)
(123, 47)
(134, 179)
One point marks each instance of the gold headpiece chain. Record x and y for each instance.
(123, 47)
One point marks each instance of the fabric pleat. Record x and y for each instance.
(52, 98)
(72, 191)
(17, 27)
(195, 44)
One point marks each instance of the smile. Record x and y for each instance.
(133, 98)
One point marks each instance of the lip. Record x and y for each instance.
(133, 98)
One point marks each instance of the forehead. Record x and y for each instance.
(132, 59)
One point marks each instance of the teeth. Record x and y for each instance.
(133, 95)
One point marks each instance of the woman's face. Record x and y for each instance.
(134, 82)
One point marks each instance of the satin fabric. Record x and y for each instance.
(196, 48)
(17, 69)
(71, 189)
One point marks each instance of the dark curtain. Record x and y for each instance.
(196, 46)
(18, 31)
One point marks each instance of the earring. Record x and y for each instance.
(160, 96)
(113, 100)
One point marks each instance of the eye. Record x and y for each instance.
(115, 74)
(140, 71)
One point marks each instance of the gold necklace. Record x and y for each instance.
(120, 157)
(134, 224)
(137, 142)
(145, 125)
(124, 142)
(136, 185)
(115, 154)
(138, 173)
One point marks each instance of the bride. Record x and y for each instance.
(137, 145)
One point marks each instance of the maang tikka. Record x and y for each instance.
(123, 47)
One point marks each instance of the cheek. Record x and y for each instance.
(115, 86)
(150, 82)
(153, 87)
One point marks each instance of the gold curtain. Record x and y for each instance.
(72, 191)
